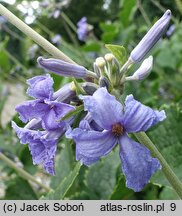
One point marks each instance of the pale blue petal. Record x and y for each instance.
(137, 164)
(57, 110)
(41, 87)
(26, 135)
(138, 117)
(31, 109)
(104, 108)
(91, 145)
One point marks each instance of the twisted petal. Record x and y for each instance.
(137, 164)
(31, 109)
(104, 108)
(138, 117)
(63, 68)
(41, 87)
(43, 152)
(57, 110)
(42, 145)
(26, 135)
(91, 145)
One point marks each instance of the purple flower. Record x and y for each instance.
(82, 30)
(63, 68)
(117, 121)
(151, 38)
(42, 145)
(46, 109)
(56, 39)
(171, 30)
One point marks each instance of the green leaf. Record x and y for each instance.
(64, 164)
(121, 191)
(19, 189)
(168, 194)
(127, 11)
(168, 139)
(100, 178)
(118, 51)
(65, 185)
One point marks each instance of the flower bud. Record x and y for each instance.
(63, 68)
(143, 71)
(100, 62)
(151, 38)
(104, 82)
(89, 87)
(109, 57)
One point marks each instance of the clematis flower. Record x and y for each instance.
(82, 29)
(46, 109)
(117, 121)
(42, 145)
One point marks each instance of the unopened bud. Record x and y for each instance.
(151, 38)
(100, 62)
(89, 87)
(104, 82)
(143, 71)
(109, 57)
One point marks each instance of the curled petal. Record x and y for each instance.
(91, 145)
(138, 117)
(137, 164)
(42, 145)
(63, 68)
(105, 110)
(31, 109)
(41, 87)
(51, 120)
(26, 135)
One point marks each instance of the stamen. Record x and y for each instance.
(117, 130)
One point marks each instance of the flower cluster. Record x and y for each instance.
(43, 115)
(106, 121)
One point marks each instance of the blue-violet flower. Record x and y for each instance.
(117, 121)
(82, 30)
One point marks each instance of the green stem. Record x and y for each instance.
(69, 22)
(142, 11)
(22, 172)
(45, 44)
(170, 175)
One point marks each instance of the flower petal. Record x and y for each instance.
(41, 87)
(104, 108)
(31, 109)
(51, 118)
(137, 164)
(91, 145)
(138, 117)
(25, 135)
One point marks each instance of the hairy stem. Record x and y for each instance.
(45, 44)
(22, 172)
(170, 175)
